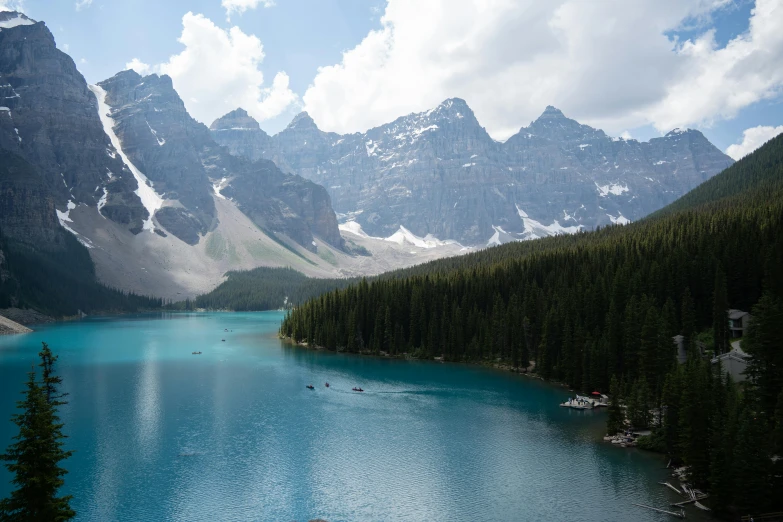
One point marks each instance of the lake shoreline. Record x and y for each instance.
(214, 426)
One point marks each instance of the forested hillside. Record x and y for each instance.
(598, 311)
(264, 289)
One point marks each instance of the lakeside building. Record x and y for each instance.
(738, 322)
(733, 362)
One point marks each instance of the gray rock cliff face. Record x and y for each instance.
(439, 172)
(187, 168)
(166, 145)
(49, 117)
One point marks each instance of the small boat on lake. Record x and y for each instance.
(310, 387)
(223, 340)
(357, 389)
(326, 384)
(196, 353)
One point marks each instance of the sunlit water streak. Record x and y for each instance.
(233, 434)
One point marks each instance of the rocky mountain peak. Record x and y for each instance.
(552, 115)
(238, 119)
(453, 109)
(438, 172)
(554, 125)
(9, 19)
(156, 93)
(678, 132)
(302, 121)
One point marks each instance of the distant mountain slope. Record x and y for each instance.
(440, 173)
(42, 265)
(760, 171)
(90, 172)
(48, 116)
(188, 168)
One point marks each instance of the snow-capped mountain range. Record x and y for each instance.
(439, 173)
(166, 206)
(162, 209)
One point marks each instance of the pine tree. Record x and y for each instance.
(672, 393)
(762, 341)
(752, 462)
(723, 444)
(643, 404)
(51, 382)
(720, 306)
(688, 318)
(615, 418)
(34, 459)
(648, 349)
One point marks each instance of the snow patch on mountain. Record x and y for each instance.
(217, 187)
(160, 141)
(151, 200)
(403, 236)
(65, 217)
(612, 188)
(496, 240)
(16, 21)
(619, 220)
(352, 227)
(534, 229)
(102, 201)
(537, 230)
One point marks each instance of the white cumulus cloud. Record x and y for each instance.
(611, 64)
(10, 5)
(82, 4)
(138, 66)
(752, 139)
(240, 6)
(219, 70)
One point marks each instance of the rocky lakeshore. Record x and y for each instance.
(7, 327)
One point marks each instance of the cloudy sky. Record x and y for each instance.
(636, 68)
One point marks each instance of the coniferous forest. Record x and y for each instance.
(263, 288)
(598, 311)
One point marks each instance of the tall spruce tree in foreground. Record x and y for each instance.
(616, 417)
(34, 458)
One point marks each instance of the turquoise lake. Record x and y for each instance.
(234, 435)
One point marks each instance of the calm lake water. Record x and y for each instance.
(233, 434)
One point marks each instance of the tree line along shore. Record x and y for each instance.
(598, 311)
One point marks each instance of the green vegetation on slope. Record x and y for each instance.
(263, 289)
(596, 306)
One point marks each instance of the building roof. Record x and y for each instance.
(729, 356)
(737, 314)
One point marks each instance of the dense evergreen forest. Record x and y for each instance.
(59, 283)
(263, 289)
(598, 311)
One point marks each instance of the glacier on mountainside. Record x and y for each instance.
(151, 200)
